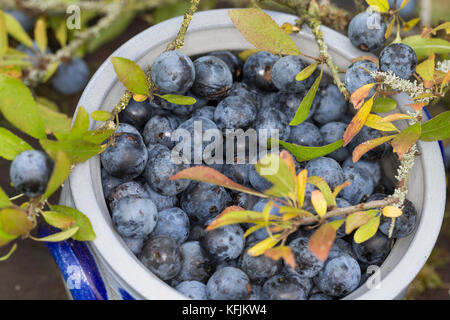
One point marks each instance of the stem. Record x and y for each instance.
(178, 42)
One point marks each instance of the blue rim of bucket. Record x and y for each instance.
(441, 145)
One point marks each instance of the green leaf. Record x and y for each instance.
(304, 107)
(85, 233)
(178, 99)
(54, 121)
(58, 220)
(76, 150)
(3, 35)
(383, 104)
(367, 231)
(16, 31)
(51, 71)
(305, 73)
(15, 222)
(262, 31)
(11, 145)
(60, 173)
(405, 139)
(98, 136)
(18, 107)
(4, 199)
(11, 251)
(272, 168)
(131, 75)
(437, 128)
(210, 175)
(80, 125)
(382, 5)
(101, 115)
(59, 236)
(423, 46)
(303, 153)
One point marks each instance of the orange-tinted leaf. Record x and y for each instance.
(445, 80)
(396, 116)
(301, 186)
(139, 97)
(288, 160)
(405, 139)
(388, 32)
(283, 252)
(370, 58)
(209, 175)
(40, 34)
(339, 188)
(357, 97)
(418, 106)
(366, 146)
(357, 219)
(404, 3)
(15, 222)
(392, 212)
(358, 121)
(324, 188)
(319, 203)
(321, 241)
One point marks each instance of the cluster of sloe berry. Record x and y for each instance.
(163, 222)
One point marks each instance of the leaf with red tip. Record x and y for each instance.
(418, 106)
(282, 252)
(321, 241)
(210, 175)
(405, 139)
(358, 121)
(366, 146)
(357, 98)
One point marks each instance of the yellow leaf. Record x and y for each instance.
(324, 188)
(301, 186)
(426, 68)
(243, 55)
(410, 24)
(366, 231)
(396, 116)
(3, 35)
(382, 5)
(388, 32)
(392, 212)
(404, 3)
(339, 188)
(305, 73)
(263, 246)
(358, 121)
(139, 97)
(40, 34)
(319, 203)
(376, 122)
(357, 219)
(61, 33)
